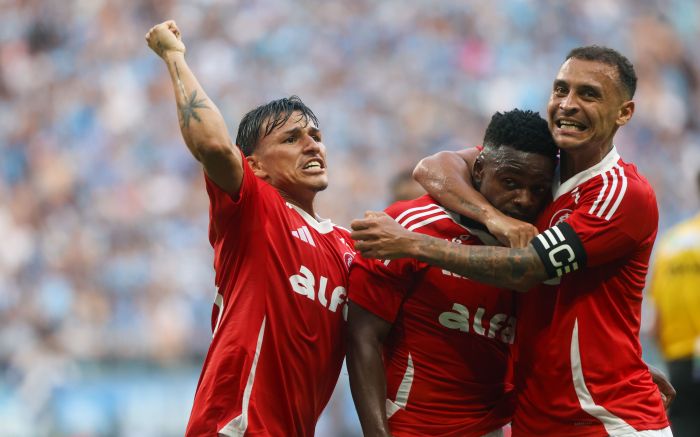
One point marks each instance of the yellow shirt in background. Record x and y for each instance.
(675, 287)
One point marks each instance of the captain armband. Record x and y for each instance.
(560, 250)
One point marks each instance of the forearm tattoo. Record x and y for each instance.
(500, 266)
(188, 110)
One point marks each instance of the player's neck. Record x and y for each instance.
(575, 161)
(306, 204)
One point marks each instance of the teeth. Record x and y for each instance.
(573, 124)
(313, 164)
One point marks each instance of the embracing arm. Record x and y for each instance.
(365, 337)
(446, 176)
(201, 124)
(379, 236)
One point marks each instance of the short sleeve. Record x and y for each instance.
(227, 211)
(381, 287)
(604, 226)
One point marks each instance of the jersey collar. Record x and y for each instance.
(322, 226)
(604, 165)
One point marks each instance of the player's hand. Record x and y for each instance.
(668, 393)
(509, 231)
(165, 39)
(380, 236)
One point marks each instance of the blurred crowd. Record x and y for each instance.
(104, 257)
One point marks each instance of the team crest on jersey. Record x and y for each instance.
(348, 257)
(461, 239)
(559, 217)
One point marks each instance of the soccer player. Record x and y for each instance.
(424, 356)
(578, 366)
(281, 272)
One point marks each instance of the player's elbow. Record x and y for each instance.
(420, 173)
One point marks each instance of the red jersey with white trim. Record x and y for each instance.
(277, 347)
(579, 368)
(447, 356)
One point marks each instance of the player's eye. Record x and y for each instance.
(510, 183)
(560, 90)
(290, 140)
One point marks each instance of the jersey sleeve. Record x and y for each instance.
(602, 228)
(379, 286)
(227, 212)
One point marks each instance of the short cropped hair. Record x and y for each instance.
(522, 130)
(261, 121)
(625, 69)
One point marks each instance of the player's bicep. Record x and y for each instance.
(224, 166)
(612, 224)
(365, 326)
(560, 250)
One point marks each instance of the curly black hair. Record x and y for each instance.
(522, 130)
(261, 121)
(608, 56)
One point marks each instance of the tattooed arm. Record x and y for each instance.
(202, 126)
(379, 236)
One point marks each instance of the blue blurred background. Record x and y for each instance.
(106, 280)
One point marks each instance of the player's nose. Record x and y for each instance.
(526, 202)
(311, 145)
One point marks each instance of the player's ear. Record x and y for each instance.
(257, 166)
(478, 171)
(625, 113)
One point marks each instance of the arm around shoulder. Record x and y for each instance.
(447, 176)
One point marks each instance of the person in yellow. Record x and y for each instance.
(675, 288)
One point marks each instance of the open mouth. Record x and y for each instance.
(570, 125)
(313, 164)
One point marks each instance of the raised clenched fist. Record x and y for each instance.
(165, 38)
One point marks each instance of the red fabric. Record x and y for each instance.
(591, 320)
(457, 333)
(282, 296)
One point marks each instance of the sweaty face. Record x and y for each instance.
(587, 105)
(293, 158)
(519, 184)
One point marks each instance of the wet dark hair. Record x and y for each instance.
(625, 69)
(522, 130)
(261, 121)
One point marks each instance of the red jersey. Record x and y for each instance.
(579, 368)
(447, 356)
(277, 347)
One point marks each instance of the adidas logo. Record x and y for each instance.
(304, 235)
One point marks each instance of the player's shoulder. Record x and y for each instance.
(411, 207)
(618, 187)
(422, 214)
(344, 232)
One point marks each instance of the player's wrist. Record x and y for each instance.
(173, 55)
(422, 247)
